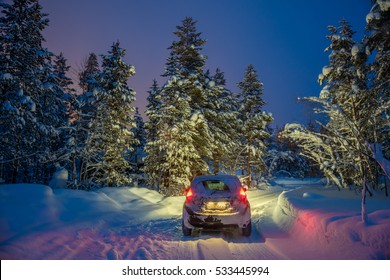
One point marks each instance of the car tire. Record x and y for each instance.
(246, 231)
(186, 231)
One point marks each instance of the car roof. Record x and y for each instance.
(215, 177)
(230, 180)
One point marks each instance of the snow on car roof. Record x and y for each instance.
(216, 177)
(230, 180)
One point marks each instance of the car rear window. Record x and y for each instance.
(215, 185)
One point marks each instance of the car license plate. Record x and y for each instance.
(220, 205)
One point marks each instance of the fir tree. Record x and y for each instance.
(153, 112)
(32, 104)
(60, 69)
(111, 139)
(377, 45)
(88, 75)
(178, 125)
(185, 52)
(85, 106)
(341, 149)
(177, 158)
(221, 115)
(138, 147)
(253, 123)
(348, 107)
(187, 63)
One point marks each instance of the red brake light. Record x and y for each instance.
(243, 194)
(189, 195)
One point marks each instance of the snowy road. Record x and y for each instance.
(37, 222)
(120, 235)
(210, 245)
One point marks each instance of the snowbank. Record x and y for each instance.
(60, 178)
(28, 207)
(329, 219)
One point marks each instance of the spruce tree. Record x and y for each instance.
(152, 111)
(377, 45)
(221, 115)
(177, 157)
(186, 51)
(138, 147)
(111, 137)
(85, 106)
(61, 69)
(180, 128)
(348, 107)
(342, 148)
(87, 76)
(253, 124)
(32, 104)
(153, 159)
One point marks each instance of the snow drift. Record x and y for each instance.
(329, 222)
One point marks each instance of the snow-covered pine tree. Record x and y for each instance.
(85, 107)
(254, 121)
(284, 159)
(61, 69)
(28, 83)
(182, 141)
(174, 149)
(153, 112)
(377, 43)
(185, 57)
(88, 74)
(138, 147)
(221, 115)
(110, 135)
(186, 65)
(342, 149)
(350, 110)
(53, 115)
(88, 82)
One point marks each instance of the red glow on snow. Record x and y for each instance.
(308, 220)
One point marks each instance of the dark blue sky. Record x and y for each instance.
(284, 40)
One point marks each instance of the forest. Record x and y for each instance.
(90, 129)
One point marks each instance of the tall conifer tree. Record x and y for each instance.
(253, 123)
(32, 101)
(111, 137)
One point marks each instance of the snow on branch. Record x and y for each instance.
(378, 156)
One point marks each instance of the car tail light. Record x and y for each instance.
(189, 196)
(243, 194)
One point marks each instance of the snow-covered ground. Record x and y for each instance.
(293, 220)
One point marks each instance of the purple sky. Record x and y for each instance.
(283, 39)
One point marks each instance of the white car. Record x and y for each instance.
(216, 202)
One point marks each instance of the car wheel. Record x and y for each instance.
(246, 231)
(186, 231)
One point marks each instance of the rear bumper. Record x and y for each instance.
(193, 219)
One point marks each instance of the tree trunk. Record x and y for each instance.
(15, 170)
(74, 173)
(248, 169)
(364, 192)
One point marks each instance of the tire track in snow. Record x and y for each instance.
(120, 237)
(214, 249)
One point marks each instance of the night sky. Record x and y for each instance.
(284, 40)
